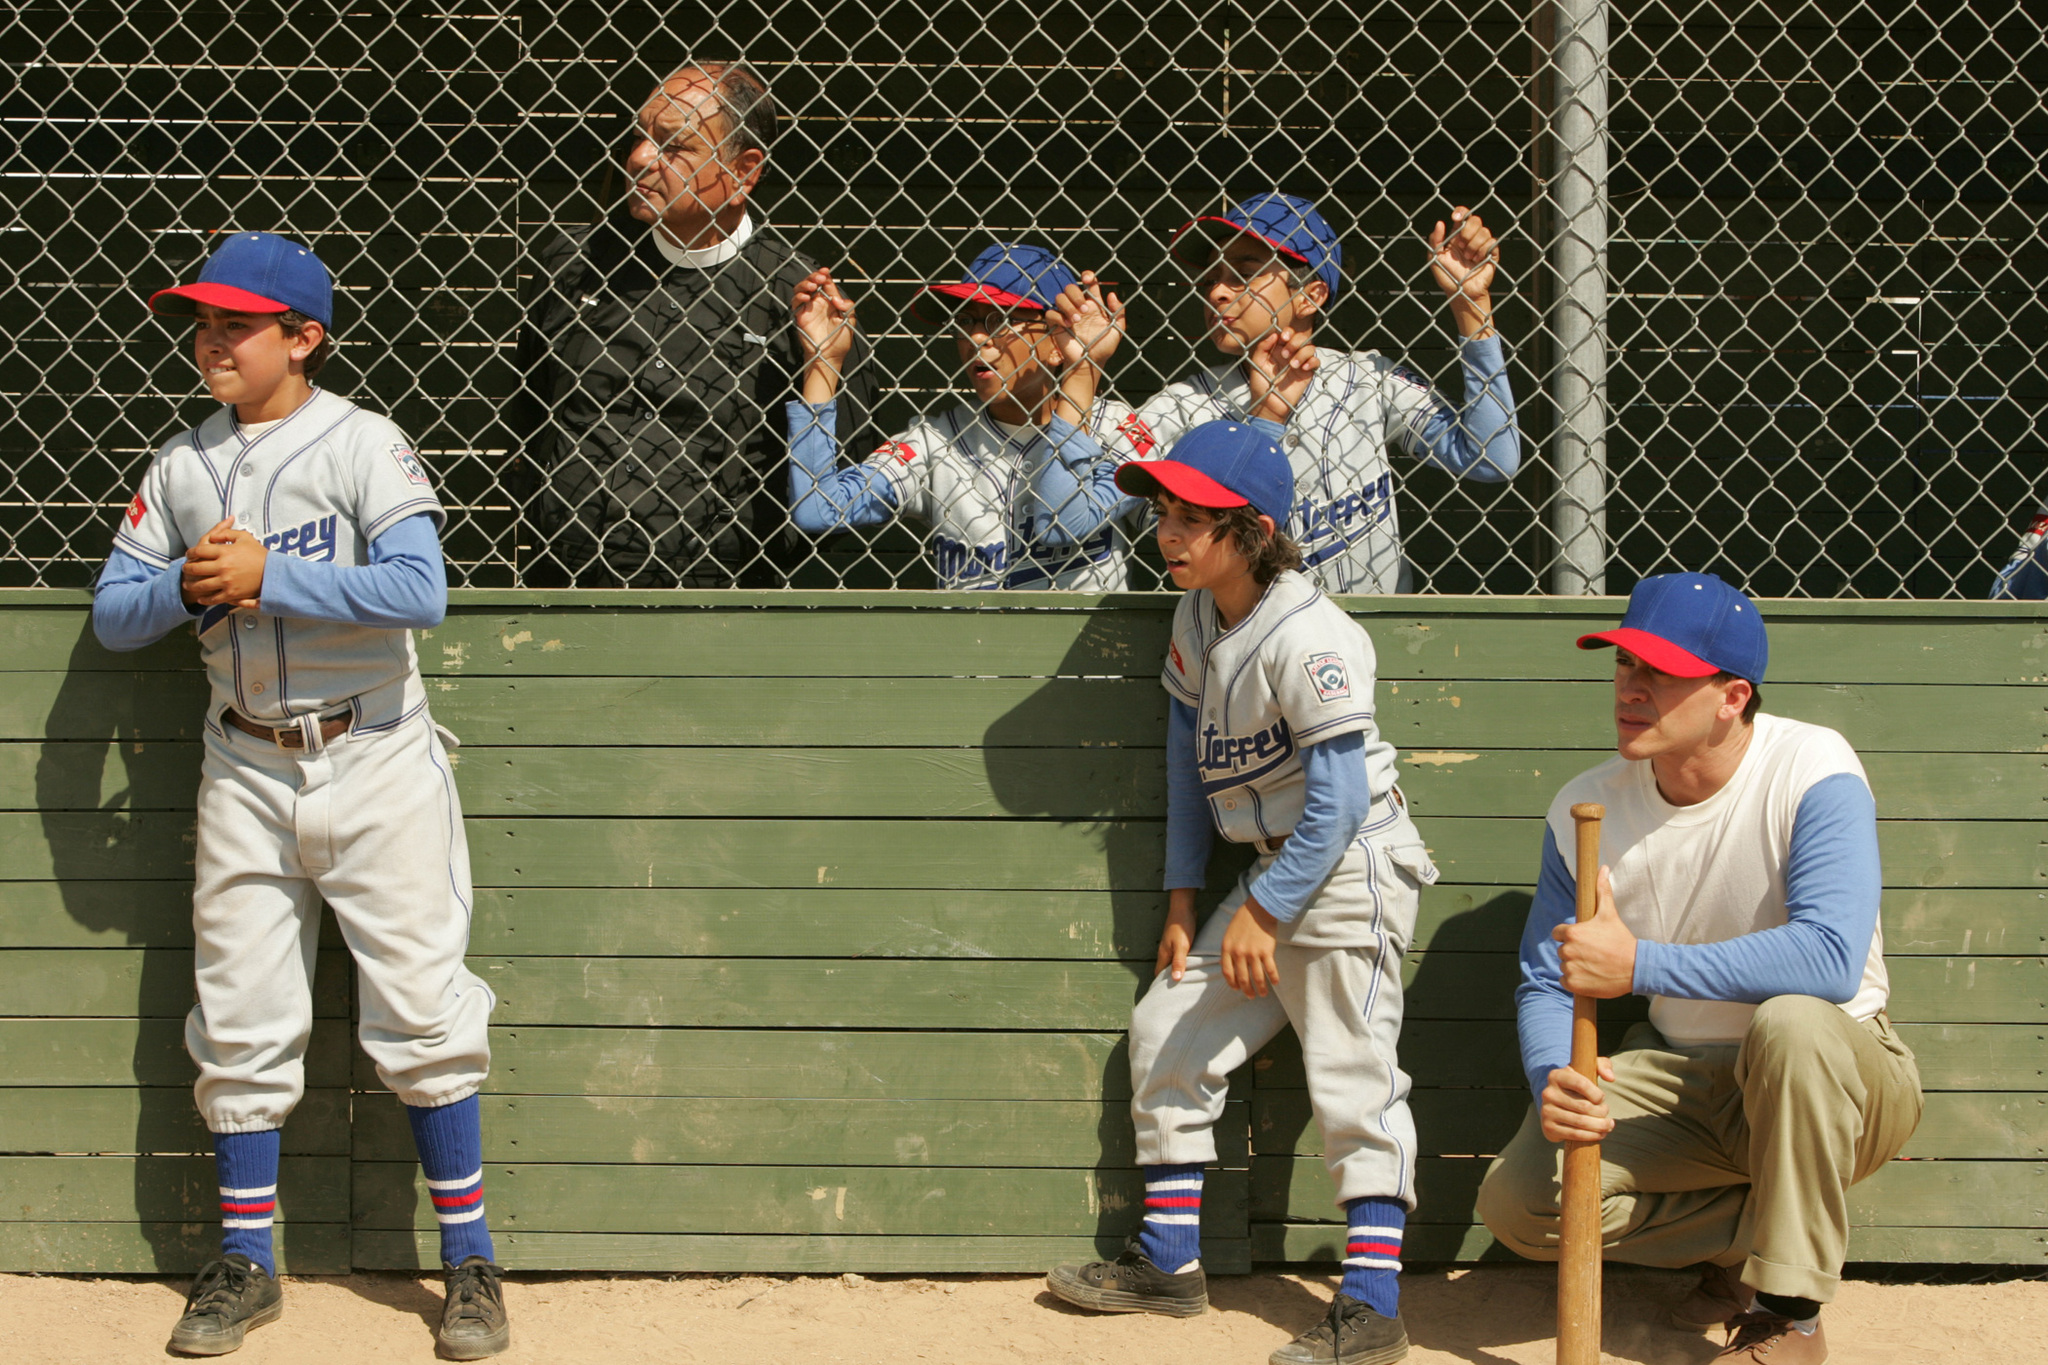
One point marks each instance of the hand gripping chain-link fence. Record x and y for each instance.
(1767, 285)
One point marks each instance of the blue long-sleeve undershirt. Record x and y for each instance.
(1338, 797)
(823, 497)
(1478, 441)
(1832, 881)
(404, 586)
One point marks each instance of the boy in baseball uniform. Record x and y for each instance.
(299, 536)
(1270, 741)
(1018, 488)
(1739, 891)
(1267, 270)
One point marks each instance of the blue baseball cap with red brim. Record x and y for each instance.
(255, 272)
(1218, 464)
(1690, 625)
(1008, 275)
(1289, 225)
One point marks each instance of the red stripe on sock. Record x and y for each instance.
(270, 1207)
(1172, 1202)
(1383, 1248)
(456, 1201)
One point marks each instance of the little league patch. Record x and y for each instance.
(1326, 671)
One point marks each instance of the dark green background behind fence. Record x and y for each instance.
(1824, 337)
(816, 920)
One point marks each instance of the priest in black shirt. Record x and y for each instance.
(656, 358)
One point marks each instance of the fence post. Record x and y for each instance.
(1578, 296)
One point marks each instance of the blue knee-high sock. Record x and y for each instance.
(246, 1166)
(1172, 1235)
(450, 1139)
(1372, 1253)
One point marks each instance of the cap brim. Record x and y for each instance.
(1001, 298)
(1143, 478)
(1654, 650)
(182, 300)
(1239, 229)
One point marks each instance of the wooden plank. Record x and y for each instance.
(2011, 1057)
(151, 982)
(841, 1064)
(857, 1201)
(1003, 713)
(898, 635)
(1969, 1194)
(1969, 990)
(625, 921)
(1121, 783)
(1045, 855)
(827, 922)
(160, 1248)
(719, 781)
(1954, 1125)
(678, 1253)
(966, 854)
(798, 1132)
(92, 913)
(928, 994)
(816, 993)
(1274, 1243)
(159, 1189)
(121, 1052)
(91, 1121)
(996, 712)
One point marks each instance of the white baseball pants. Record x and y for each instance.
(371, 824)
(1187, 1036)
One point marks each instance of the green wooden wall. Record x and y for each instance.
(816, 919)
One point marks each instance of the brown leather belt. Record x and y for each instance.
(286, 736)
(1271, 846)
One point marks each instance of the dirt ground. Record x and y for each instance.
(1485, 1316)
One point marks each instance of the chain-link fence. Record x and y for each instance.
(1768, 281)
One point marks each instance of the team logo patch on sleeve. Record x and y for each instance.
(1138, 434)
(1173, 653)
(1326, 671)
(410, 466)
(137, 510)
(904, 453)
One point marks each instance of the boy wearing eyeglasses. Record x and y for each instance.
(1267, 271)
(1018, 488)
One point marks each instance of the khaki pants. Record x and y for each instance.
(1734, 1155)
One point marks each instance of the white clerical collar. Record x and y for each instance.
(703, 258)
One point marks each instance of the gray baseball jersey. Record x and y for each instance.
(321, 484)
(1357, 403)
(1295, 672)
(970, 478)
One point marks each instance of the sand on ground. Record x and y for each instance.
(1489, 1315)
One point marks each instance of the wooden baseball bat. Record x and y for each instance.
(1578, 1248)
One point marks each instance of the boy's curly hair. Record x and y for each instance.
(294, 322)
